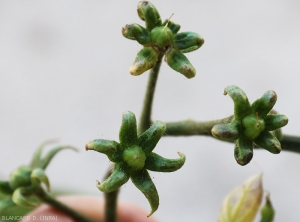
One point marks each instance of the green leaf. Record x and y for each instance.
(243, 151)
(38, 176)
(128, 130)
(4, 204)
(148, 13)
(240, 100)
(148, 140)
(118, 177)
(142, 180)
(155, 162)
(145, 60)
(265, 104)
(187, 41)
(179, 62)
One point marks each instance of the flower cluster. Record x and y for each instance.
(133, 156)
(254, 123)
(161, 39)
(25, 181)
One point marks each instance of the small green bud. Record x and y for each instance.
(135, 157)
(171, 25)
(20, 177)
(138, 33)
(148, 13)
(23, 198)
(253, 126)
(267, 211)
(145, 60)
(177, 61)
(161, 36)
(187, 41)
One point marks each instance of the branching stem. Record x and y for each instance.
(145, 121)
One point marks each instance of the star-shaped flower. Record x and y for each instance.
(133, 156)
(254, 123)
(26, 180)
(161, 38)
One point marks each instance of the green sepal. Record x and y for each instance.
(5, 187)
(161, 36)
(179, 62)
(269, 142)
(171, 25)
(128, 130)
(142, 180)
(145, 60)
(148, 13)
(4, 204)
(267, 212)
(108, 147)
(240, 100)
(273, 122)
(20, 177)
(187, 41)
(155, 162)
(226, 132)
(35, 161)
(38, 176)
(21, 197)
(138, 33)
(44, 162)
(243, 151)
(265, 104)
(118, 177)
(148, 140)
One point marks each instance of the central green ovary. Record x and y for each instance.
(135, 157)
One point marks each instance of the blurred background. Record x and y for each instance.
(64, 75)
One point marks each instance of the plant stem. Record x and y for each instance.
(60, 206)
(145, 120)
(290, 143)
(110, 210)
(192, 128)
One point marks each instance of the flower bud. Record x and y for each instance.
(20, 177)
(187, 41)
(138, 33)
(145, 60)
(148, 13)
(177, 61)
(242, 204)
(23, 197)
(267, 211)
(161, 36)
(38, 176)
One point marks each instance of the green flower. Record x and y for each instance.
(25, 181)
(133, 156)
(161, 39)
(251, 124)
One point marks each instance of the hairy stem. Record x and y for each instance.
(111, 200)
(145, 120)
(60, 206)
(194, 128)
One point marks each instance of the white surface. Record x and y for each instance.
(64, 74)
